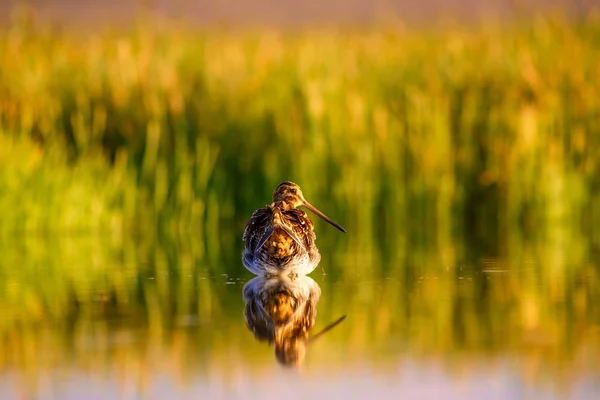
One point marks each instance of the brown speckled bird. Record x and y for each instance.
(279, 238)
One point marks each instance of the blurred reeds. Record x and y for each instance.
(410, 139)
(481, 130)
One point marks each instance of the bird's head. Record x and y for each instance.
(291, 194)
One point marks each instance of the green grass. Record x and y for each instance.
(483, 129)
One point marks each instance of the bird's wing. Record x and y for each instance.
(256, 227)
(301, 225)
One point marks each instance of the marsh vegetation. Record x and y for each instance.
(463, 163)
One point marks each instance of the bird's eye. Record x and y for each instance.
(293, 191)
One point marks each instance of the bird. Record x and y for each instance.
(279, 238)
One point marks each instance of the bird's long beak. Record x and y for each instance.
(320, 214)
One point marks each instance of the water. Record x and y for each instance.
(149, 318)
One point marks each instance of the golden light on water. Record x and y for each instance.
(137, 313)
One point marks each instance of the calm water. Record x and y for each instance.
(119, 318)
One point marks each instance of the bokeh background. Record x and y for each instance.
(457, 142)
(288, 14)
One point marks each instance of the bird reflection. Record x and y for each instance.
(282, 310)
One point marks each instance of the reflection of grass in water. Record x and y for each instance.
(156, 305)
(490, 129)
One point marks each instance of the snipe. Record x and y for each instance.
(279, 239)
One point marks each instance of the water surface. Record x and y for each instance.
(100, 318)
